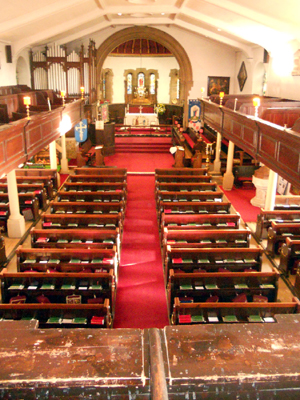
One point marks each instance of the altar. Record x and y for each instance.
(141, 119)
(145, 117)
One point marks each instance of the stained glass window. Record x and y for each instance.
(178, 89)
(152, 84)
(129, 84)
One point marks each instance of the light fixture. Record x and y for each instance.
(119, 14)
(162, 13)
(63, 93)
(219, 29)
(82, 92)
(27, 102)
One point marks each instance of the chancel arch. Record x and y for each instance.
(185, 68)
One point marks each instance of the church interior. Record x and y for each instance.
(150, 199)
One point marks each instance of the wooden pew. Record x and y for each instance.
(200, 221)
(101, 171)
(265, 218)
(194, 196)
(290, 256)
(37, 188)
(78, 207)
(289, 202)
(183, 178)
(96, 178)
(76, 238)
(4, 215)
(212, 260)
(89, 197)
(27, 201)
(58, 288)
(189, 207)
(60, 315)
(186, 186)
(29, 180)
(206, 238)
(191, 313)
(66, 260)
(83, 221)
(94, 187)
(277, 234)
(181, 171)
(199, 287)
(39, 173)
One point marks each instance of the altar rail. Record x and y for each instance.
(22, 139)
(276, 147)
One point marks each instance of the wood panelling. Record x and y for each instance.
(22, 139)
(277, 148)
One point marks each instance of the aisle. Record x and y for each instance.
(141, 296)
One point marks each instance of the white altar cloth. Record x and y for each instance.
(141, 119)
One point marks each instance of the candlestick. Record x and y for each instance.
(256, 103)
(235, 101)
(82, 92)
(221, 94)
(63, 93)
(27, 102)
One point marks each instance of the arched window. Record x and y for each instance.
(129, 84)
(152, 84)
(178, 89)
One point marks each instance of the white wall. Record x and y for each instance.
(7, 70)
(207, 57)
(162, 64)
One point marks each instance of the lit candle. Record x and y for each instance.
(256, 101)
(27, 101)
(82, 92)
(221, 94)
(63, 93)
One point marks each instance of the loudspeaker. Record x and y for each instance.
(266, 56)
(8, 54)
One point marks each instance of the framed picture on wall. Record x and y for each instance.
(217, 84)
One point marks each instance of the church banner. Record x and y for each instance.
(81, 130)
(195, 114)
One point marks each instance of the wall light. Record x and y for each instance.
(65, 124)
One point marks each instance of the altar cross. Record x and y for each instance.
(141, 109)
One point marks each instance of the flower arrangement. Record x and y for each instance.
(160, 108)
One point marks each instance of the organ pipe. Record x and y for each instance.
(53, 68)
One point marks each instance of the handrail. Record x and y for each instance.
(278, 148)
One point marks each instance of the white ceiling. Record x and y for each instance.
(238, 23)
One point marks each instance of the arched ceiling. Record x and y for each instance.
(238, 23)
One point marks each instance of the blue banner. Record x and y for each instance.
(194, 110)
(81, 131)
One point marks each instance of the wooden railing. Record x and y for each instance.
(275, 146)
(22, 139)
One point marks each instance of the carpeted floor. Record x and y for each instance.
(240, 199)
(141, 296)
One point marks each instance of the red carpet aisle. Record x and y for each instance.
(240, 199)
(141, 297)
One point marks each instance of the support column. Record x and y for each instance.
(64, 161)
(16, 221)
(271, 191)
(228, 176)
(53, 159)
(217, 162)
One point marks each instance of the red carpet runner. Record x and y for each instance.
(141, 296)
